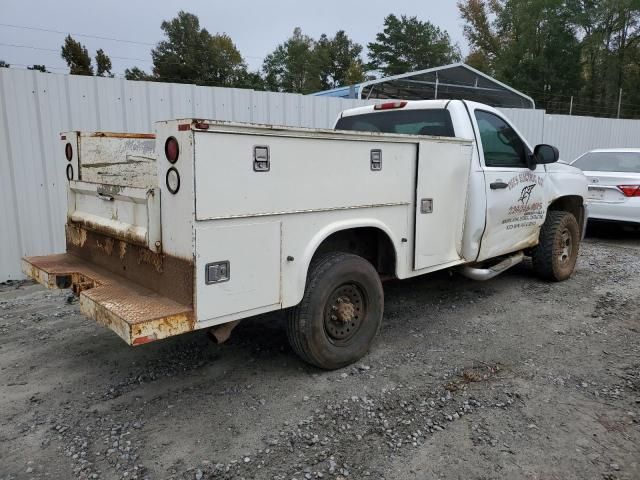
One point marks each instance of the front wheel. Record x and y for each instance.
(555, 256)
(340, 313)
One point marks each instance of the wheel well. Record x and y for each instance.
(370, 243)
(572, 204)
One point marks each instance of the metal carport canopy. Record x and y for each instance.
(455, 81)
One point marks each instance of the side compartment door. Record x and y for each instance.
(238, 268)
(516, 205)
(441, 200)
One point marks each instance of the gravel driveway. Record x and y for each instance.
(507, 379)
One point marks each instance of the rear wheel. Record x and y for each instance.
(340, 313)
(555, 256)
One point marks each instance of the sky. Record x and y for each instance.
(256, 27)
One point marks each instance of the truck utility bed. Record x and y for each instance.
(157, 246)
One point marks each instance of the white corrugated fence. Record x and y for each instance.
(35, 107)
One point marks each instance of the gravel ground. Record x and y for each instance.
(511, 378)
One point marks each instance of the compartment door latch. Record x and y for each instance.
(426, 205)
(217, 272)
(376, 160)
(261, 160)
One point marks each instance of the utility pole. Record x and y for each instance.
(435, 95)
(571, 106)
(619, 101)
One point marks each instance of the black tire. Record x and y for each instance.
(340, 313)
(555, 256)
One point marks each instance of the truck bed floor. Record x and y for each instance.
(135, 313)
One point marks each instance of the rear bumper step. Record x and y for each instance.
(138, 315)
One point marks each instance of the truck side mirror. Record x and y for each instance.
(544, 153)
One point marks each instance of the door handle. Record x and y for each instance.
(497, 185)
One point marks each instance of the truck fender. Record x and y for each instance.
(329, 230)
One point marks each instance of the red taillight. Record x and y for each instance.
(171, 149)
(68, 151)
(630, 190)
(390, 105)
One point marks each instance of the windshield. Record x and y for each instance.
(609, 162)
(435, 122)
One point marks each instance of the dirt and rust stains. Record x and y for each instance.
(106, 245)
(167, 275)
(109, 189)
(165, 326)
(75, 235)
(151, 258)
(149, 136)
(128, 235)
(130, 160)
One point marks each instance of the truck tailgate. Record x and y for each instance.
(131, 214)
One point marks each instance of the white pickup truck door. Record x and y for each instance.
(516, 204)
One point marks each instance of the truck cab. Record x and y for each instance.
(509, 187)
(204, 223)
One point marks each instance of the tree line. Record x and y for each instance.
(301, 64)
(558, 49)
(189, 53)
(576, 55)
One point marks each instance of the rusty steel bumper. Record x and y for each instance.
(135, 313)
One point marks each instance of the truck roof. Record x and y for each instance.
(413, 105)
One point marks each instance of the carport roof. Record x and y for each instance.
(455, 81)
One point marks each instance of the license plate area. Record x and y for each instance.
(596, 193)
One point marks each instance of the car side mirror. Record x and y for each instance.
(544, 154)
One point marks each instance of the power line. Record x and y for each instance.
(31, 47)
(112, 39)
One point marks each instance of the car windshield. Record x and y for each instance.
(435, 122)
(609, 162)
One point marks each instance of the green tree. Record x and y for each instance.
(610, 32)
(190, 54)
(339, 61)
(103, 64)
(4, 64)
(293, 66)
(136, 73)
(304, 65)
(252, 80)
(407, 44)
(529, 44)
(39, 68)
(77, 57)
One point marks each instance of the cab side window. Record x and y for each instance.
(501, 145)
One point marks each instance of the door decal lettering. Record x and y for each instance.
(525, 177)
(524, 213)
(525, 195)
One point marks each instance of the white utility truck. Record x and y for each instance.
(210, 222)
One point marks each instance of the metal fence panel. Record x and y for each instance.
(35, 107)
(577, 135)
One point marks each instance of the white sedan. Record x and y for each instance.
(614, 183)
